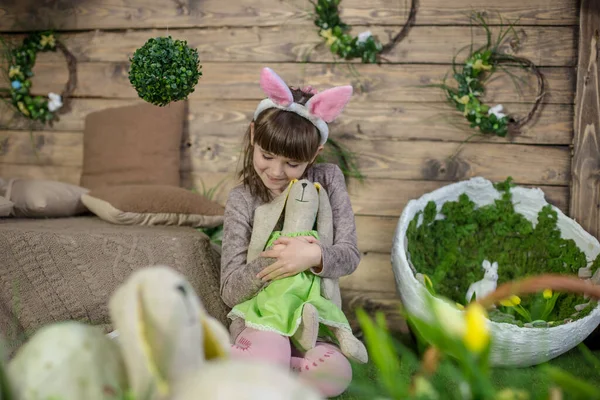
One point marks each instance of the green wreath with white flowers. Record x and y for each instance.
(21, 61)
(364, 46)
(478, 68)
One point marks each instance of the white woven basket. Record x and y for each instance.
(511, 346)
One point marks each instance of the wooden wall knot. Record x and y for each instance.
(449, 169)
(181, 7)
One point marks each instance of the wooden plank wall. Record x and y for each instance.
(402, 132)
(585, 184)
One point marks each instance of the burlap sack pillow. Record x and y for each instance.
(137, 144)
(153, 205)
(38, 198)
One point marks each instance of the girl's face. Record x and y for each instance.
(275, 171)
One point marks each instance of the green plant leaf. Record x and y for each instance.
(577, 388)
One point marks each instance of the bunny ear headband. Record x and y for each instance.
(323, 107)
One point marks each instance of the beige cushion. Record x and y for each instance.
(44, 198)
(153, 205)
(138, 144)
(6, 207)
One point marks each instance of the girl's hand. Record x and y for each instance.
(293, 254)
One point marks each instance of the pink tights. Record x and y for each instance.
(324, 366)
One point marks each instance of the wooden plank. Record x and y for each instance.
(44, 148)
(71, 121)
(371, 303)
(418, 160)
(375, 233)
(373, 197)
(39, 171)
(27, 15)
(545, 46)
(374, 83)
(374, 274)
(389, 120)
(388, 197)
(585, 183)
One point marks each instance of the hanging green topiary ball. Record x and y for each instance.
(164, 70)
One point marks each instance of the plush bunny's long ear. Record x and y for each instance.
(275, 88)
(324, 217)
(266, 217)
(328, 104)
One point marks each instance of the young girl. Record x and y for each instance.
(282, 143)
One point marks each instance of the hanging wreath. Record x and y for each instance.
(364, 46)
(21, 61)
(479, 66)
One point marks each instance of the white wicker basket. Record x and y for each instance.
(511, 346)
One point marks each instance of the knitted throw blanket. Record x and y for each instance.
(67, 268)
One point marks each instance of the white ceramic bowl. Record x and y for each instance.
(512, 346)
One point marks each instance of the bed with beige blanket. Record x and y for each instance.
(66, 268)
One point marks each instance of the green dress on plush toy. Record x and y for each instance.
(278, 306)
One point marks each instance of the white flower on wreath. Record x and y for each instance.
(363, 37)
(55, 102)
(497, 111)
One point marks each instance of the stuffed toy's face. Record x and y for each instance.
(301, 207)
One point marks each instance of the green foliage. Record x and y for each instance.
(450, 251)
(164, 70)
(447, 370)
(335, 32)
(478, 68)
(21, 61)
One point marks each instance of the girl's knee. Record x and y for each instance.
(262, 345)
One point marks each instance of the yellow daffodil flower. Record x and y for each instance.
(547, 293)
(22, 108)
(477, 335)
(511, 301)
(328, 35)
(463, 100)
(47, 40)
(14, 71)
(478, 65)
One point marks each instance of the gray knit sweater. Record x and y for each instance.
(238, 278)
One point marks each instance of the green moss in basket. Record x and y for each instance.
(164, 70)
(450, 251)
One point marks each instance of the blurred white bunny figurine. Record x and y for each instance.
(487, 284)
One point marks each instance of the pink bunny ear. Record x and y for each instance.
(275, 88)
(328, 104)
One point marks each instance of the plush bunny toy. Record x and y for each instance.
(305, 305)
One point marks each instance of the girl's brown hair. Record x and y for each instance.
(283, 133)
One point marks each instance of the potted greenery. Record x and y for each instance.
(455, 363)
(477, 235)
